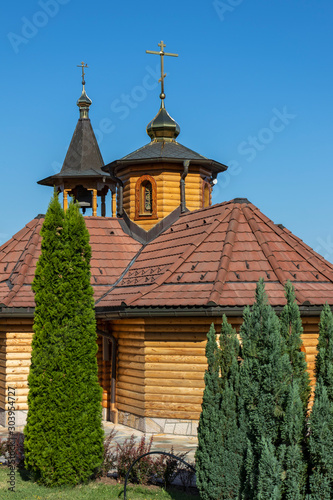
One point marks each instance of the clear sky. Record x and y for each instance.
(252, 88)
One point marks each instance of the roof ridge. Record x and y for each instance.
(301, 248)
(191, 150)
(130, 264)
(269, 254)
(31, 244)
(223, 269)
(180, 260)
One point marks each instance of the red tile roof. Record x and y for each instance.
(112, 251)
(215, 256)
(210, 257)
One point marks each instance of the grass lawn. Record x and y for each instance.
(27, 490)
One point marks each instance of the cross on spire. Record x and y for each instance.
(162, 54)
(83, 65)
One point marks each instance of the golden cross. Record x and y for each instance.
(162, 54)
(83, 65)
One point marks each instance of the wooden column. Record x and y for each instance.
(114, 204)
(103, 209)
(94, 203)
(66, 191)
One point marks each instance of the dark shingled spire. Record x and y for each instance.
(83, 158)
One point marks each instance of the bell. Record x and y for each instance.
(84, 198)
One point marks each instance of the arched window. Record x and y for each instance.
(145, 198)
(206, 195)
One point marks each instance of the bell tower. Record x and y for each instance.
(81, 175)
(163, 177)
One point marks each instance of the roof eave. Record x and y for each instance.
(163, 311)
(49, 181)
(214, 165)
(173, 311)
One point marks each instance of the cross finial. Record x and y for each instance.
(83, 65)
(162, 54)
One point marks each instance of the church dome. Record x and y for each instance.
(163, 127)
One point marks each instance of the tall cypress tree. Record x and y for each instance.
(324, 359)
(233, 437)
(294, 427)
(220, 449)
(64, 436)
(291, 330)
(321, 418)
(208, 455)
(264, 379)
(292, 450)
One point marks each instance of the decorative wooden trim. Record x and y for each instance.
(143, 216)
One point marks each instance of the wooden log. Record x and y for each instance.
(177, 347)
(124, 357)
(174, 390)
(131, 409)
(174, 351)
(19, 336)
(173, 399)
(19, 355)
(173, 367)
(130, 372)
(133, 387)
(175, 359)
(130, 381)
(180, 375)
(125, 396)
(181, 415)
(170, 407)
(131, 365)
(18, 362)
(17, 370)
(175, 382)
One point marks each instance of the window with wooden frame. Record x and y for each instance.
(145, 198)
(206, 190)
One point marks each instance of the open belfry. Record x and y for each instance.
(166, 263)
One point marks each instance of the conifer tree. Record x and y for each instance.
(64, 436)
(233, 437)
(294, 427)
(291, 330)
(324, 359)
(208, 455)
(269, 472)
(321, 418)
(321, 444)
(292, 450)
(264, 380)
(220, 444)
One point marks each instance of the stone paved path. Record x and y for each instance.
(161, 442)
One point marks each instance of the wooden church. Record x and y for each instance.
(166, 263)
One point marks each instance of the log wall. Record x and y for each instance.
(168, 193)
(161, 363)
(15, 353)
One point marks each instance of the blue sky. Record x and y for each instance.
(251, 88)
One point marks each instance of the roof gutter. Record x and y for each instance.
(154, 312)
(113, 416)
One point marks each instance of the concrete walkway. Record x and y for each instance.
(161, 442)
